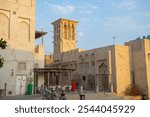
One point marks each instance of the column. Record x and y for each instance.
(61, 30)
(67, 30)
(75, 32)
(48, 80)
(110, 69)
(71, 32)
(97, 83)
(34, 83)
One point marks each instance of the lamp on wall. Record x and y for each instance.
(30, 72)
(12, 72)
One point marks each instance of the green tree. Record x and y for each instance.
(3, 45)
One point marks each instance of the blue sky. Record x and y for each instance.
(99, 20)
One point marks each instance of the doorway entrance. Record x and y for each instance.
(21, 85)
(105, 82)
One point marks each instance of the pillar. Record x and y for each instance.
(34, 83)
(97, 83)
(48, 80)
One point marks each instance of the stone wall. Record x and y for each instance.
(17, 22)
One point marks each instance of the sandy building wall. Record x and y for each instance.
(147, 60)
(140, 64)
(122, 68)
(17, 22)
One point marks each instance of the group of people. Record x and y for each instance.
(58, 92)
(52, 93)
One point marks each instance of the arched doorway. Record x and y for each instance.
(104, 78)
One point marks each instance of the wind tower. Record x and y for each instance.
(64, 35)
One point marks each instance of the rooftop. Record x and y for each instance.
(39, 34)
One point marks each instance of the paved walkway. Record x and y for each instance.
(95, 96)
(70, 96)
(22, 97)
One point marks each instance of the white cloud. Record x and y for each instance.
(125, 23)
(68, 8)
(62, 9)
(87, 8)
(126, 4)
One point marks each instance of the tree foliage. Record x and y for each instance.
(132, 90)
(3, 45)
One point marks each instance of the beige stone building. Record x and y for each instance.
(99, 67)
(111, 68)
(17, 27)
(105, 69)
(139, 52)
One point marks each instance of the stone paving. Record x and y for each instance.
(69, 96)
(95, 96)
(22, 97)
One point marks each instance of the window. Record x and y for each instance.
(21, 66)
(81, 58)
(92, 56)
(80, 66)
(69, 31)
(93, 63)
(65, 31)
(87, 65)
(73, 32)
(24, 30)
(55, 32)
(58, 32)
(36, 65)
(84, 78)
(86, 56)
(4, 26)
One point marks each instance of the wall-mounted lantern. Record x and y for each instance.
(12, 72)
(30, 72)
